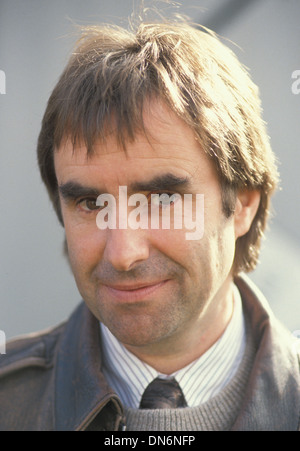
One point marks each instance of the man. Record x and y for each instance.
(165, 110)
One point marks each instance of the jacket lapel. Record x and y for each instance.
(81, 391)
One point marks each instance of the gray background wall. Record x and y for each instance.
(36, 287)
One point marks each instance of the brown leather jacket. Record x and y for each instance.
(52, 381)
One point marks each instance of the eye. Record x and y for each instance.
(88, 204)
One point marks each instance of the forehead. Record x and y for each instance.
(168, 143)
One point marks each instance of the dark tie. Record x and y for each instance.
(163, 394)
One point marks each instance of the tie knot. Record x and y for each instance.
(163, 394)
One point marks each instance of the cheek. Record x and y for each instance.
(225, 248)
(172, 243)
(85, 247)
(190, 255)
(211, 257)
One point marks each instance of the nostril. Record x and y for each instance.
(125, 249)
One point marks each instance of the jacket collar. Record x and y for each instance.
(272, 399)
(81, 391)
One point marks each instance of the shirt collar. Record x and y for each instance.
(200, 380)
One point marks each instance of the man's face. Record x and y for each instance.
(149, 287)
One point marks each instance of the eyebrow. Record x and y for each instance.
(74, 190)
(162, 182)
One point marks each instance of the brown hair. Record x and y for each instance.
(112, 72)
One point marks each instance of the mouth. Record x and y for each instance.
(132, 293)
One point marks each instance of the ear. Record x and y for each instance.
(247, 204)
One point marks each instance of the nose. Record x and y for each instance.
(125, 248)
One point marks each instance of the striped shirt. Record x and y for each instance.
(200, 380)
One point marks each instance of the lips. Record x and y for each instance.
(133, 292)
